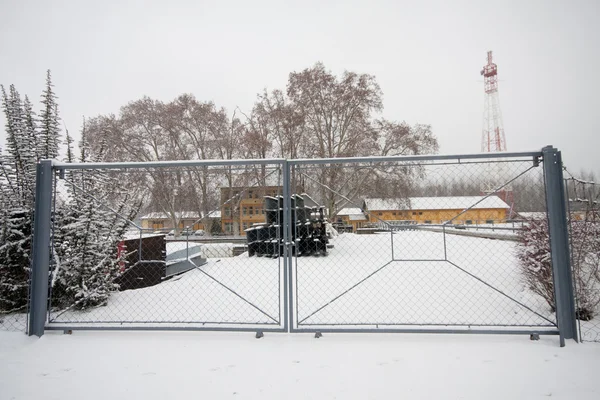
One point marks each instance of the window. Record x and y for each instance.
(428, 221)
(469, 222)
(380, 214)
(244, 210)
(157, 224)
(414, 213)
(394, 213)
(245, 226)
(420, 212)
(228, 227)
(250, 194)
(227, 211)
(489, 221)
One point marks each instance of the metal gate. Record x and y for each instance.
(175, 268)
(432, 244)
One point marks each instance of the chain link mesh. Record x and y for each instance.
(584, 232)
(163, 246)
(373, 245)
(421, 244)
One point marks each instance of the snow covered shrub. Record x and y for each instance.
(535, 259)
(86, 258)
(536, 262)
(585, 249)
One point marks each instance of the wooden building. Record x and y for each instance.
(350, 219)
(241, 207)
(437, 210)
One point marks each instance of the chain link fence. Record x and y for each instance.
(584, 231)
(423, 243)
(437, 245)
(163, 247)
(14, 321)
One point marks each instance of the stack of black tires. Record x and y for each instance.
(309, 233)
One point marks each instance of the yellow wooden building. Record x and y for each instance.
(437, 210)
(241, 207)
(351, 217)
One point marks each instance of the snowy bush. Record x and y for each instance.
(536, 263)
(15, 246)
(585, 249)
(86, 258)
(87, 234)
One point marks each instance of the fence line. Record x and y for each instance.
(403, 279)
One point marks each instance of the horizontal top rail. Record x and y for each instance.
(164, 164)
(280, 161)
(425, 157)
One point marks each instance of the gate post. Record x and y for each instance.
(287, 253)
(559, 244)
(41, 248)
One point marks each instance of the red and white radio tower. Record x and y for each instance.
(492, 138)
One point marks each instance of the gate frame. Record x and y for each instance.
(562, 274)
(39, 315)
(555, 201)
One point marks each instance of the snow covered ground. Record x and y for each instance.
(177, 365)
(410, 278)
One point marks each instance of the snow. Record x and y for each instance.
(436, 203)
(407, 283)
(178, 215)
(173, 365)
(354, 214)
(159, 365)
(350, 211)
(533, 215)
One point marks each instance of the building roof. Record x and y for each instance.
(436, 203)
(181, 215)
(357, 217)
(350, 211)
(353, 213)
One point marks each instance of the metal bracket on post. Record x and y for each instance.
(559, 244)
(41, 248)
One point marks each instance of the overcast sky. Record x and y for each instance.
(426, 56)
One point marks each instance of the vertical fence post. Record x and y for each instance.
(287, 253)
(41, 248)
(559, 244)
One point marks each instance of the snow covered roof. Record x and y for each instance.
(214, 214)
(435, 203)
(181, 215)
(353, 213)
(350, 211)
(357, 217)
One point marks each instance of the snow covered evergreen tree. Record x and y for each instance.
(49, 122)
(17, 184)
(88, 235)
